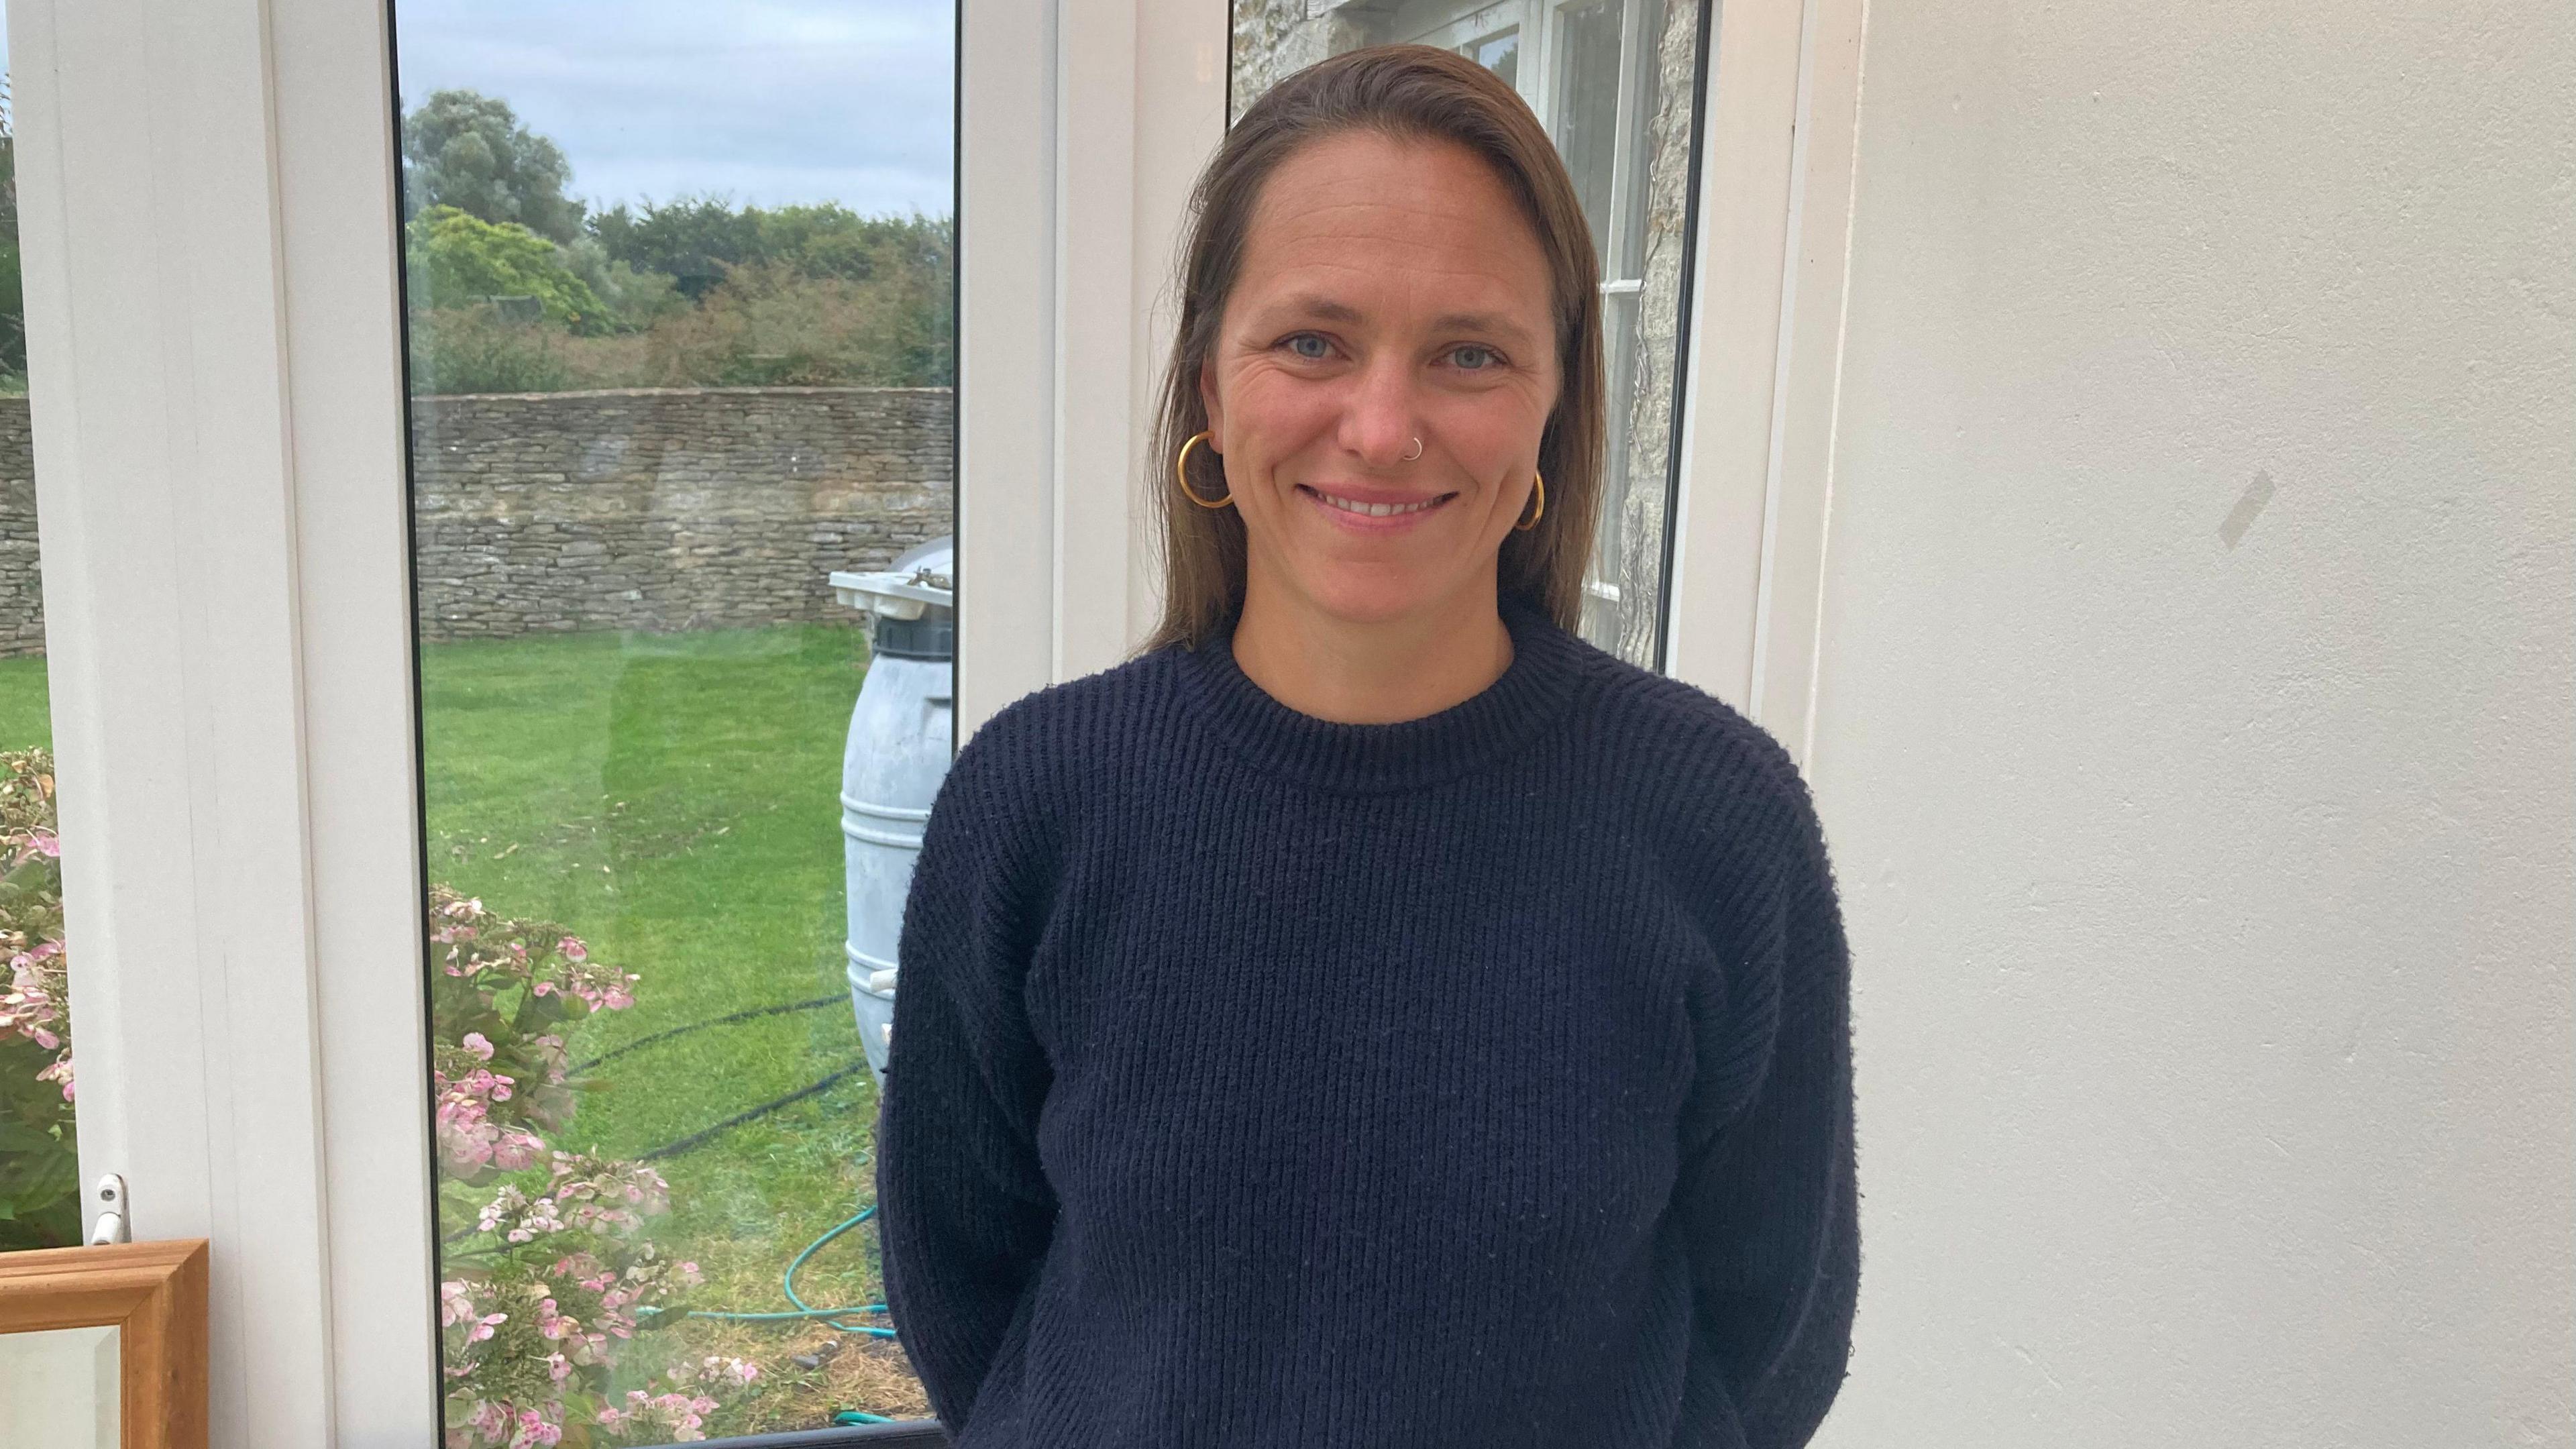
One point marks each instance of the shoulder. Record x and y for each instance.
(1056, 724)
(1025, 766)
(1718, 785)
(1731, 819)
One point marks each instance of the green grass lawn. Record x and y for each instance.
(24, 704)
(673, 799)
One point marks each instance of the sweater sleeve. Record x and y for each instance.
(964, 1210)
(1769, 1187)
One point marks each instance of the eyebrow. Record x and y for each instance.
(1488, 322)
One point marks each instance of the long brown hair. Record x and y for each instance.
(1408, 92)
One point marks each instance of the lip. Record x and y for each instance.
(1363, 493)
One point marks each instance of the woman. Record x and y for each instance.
(1373, 1015)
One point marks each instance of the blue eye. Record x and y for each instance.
(1490, 355)
(1294, 339)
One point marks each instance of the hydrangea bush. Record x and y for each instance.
(39, 1156)
(551, 1287)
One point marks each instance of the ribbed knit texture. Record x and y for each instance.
(1478, 1080)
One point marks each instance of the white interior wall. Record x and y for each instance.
(2210, 904)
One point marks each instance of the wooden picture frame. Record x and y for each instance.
(155, 1295)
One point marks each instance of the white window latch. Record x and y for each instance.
(112, 1225)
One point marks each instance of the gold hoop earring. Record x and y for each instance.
(1538, 483)
(1181, 477)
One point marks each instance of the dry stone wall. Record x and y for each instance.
(653, 509)
(22, 600)
(668, 509)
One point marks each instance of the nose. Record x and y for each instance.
(1379, 419)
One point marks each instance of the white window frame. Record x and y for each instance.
(1777, 144)
(208, 217)
(1077, 147)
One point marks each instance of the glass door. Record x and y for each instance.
(681, 345)
(40, 1196)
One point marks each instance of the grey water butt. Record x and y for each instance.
(892, 765)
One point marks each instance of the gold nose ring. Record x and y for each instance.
(1417, 451)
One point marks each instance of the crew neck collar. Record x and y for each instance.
(1529, 696)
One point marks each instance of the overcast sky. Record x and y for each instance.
(771, 101)
(763, 99)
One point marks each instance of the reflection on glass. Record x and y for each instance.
(60, 1388)
(1614, 82)
(1587, 130)
(40, 1202)
(681, 341)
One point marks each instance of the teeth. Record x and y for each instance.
(1374, 510)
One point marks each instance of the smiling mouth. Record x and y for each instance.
(1374, 510)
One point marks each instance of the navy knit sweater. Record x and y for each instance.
(1477, 1080)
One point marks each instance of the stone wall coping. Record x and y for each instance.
(679, 392)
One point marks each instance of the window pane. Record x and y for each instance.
(1500, 54)
(40, 1197)
(1622, 79)
(679, 296)
(1587, 109)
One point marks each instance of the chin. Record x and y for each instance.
(1374, 599)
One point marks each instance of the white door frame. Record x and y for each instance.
(1776, 174)
(207, 217)
(1078, 143)
(210, 230)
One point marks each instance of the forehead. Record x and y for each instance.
(1388, 226)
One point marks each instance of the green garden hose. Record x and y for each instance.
(832, 1318)
(803, 1312)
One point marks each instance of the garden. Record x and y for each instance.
(651, 1094)
(653, 1117)
(515, 286)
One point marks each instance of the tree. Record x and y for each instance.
(8, 162)
(457, 259)
(701, 240)
(467, 150)
(696, 240)
(13, 302)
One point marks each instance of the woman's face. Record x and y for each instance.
(1389, 290)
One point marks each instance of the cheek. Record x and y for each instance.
(1269, 414)
(1490, 433)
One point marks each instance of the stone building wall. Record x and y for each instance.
(22, 600)
(1274, 39)
(1671, 140)
(636, 509)
(668, 509)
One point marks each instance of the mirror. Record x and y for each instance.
(58, 1388)
(104, 1347)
